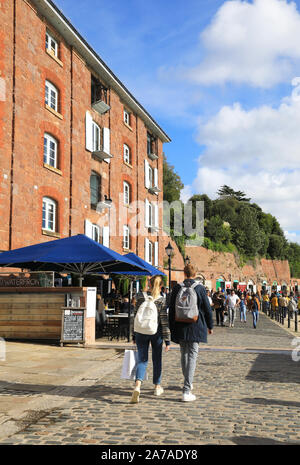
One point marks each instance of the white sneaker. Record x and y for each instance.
(135, 396)
(188, 397)
(158, 391)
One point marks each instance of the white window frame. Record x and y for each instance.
(96, 131)
(126, 154)
(126, 117)
(49, 88)
(47, 205)
(47, 150)
(126, 193)
(50, 41)
(126, 237)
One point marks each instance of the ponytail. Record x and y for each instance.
(156, 282)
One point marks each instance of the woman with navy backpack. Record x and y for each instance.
(150, 327)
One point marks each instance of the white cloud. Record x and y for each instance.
(258, 152)
(262, 138)
(254, 43)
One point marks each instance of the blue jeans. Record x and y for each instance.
(243, 313)
(142, 342)
(255, 318)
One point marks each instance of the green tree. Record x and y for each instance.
(172, 183)
(277, 244)
(217, 231)
(246, 233)
(227, 192)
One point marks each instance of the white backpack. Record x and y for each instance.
(146, 318)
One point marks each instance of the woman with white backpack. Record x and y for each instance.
(150, 326)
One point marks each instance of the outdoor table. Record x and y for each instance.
(118, 325)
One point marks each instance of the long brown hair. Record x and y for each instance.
(155, 283)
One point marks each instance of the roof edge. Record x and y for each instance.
(54, 15)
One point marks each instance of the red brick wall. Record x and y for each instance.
(213, 265)
(70, 184)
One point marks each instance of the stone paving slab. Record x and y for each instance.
(242, 398)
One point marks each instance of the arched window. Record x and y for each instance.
(49, 214)
(126, 193)
(95, 186)
(51, 96)
(126, 154)
(50, 150)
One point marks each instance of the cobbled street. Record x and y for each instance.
(247, 388)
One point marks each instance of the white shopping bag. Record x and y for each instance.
(129, 364)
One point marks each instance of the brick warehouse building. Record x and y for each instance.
(71, 136)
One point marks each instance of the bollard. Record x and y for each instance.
(289, 319)
(296, 321)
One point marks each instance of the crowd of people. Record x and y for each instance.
(185, 316)
(227, 305)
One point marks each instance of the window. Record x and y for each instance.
(126, 153)
(150, 177)
(126, 117)
(49, 214)
(126, 237)
(51, 96)
(150, 207)
(51, 44)
(96, 137)
(150, 252)
(98, 91)
(149, 143)
(50, 150)
(95, 186)
(126, 192)
(96, 233)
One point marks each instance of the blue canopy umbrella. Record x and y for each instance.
(77, 254)
(151, 270)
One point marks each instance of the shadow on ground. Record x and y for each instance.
(275, 368)
(256, 441)
(263, 401)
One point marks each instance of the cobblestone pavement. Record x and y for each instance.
(242, 398)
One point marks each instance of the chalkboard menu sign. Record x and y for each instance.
(72, 325)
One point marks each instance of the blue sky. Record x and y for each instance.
(220, 77)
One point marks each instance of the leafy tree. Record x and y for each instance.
(246, 233)
(216, 231)
(276, 247)
(226, 191)
(172, 183)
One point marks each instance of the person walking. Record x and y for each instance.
(255, 309)
(218, 305)
(157, 304)
(266, 303)
(274, 304)
(232, 301)
(243, 309)
(188, 334)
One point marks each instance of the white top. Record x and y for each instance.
(232, 300)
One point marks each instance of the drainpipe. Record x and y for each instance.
(13, 126)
